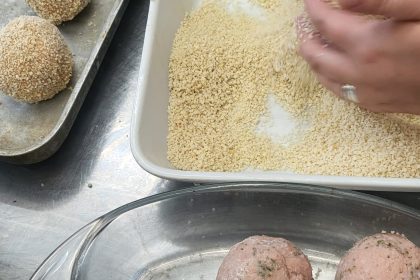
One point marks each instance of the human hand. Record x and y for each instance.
(380, 57)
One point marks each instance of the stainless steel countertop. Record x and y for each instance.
(94, 172)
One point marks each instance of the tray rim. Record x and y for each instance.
(39, 152)
(341, 182)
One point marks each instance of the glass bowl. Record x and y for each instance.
(185, 234)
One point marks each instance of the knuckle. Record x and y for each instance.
(320, 23)
(310, 56)
(314, 62)
(369, 54)
(331, 28)
(335, 30)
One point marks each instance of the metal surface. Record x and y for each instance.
(186, 234)
(94, 172)
(32, 132)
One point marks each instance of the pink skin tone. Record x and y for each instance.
(380, 57)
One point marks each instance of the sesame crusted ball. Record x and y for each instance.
(35, 62)
(58, 11)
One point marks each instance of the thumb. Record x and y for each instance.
(397, 9)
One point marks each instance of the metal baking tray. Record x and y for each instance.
(32, 133)
(185, 234)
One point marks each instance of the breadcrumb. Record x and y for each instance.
(58, 11)
(223, 67)
(35, 62)
(268, 4)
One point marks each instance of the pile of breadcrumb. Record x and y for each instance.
(225, 64)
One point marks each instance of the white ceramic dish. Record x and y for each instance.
(150, 122)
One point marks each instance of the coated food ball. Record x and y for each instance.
(58, 11)
(35, 62)
(263, 257)
(381, 257)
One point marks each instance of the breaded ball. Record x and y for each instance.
(381, 257)
(265, 258)
(35, 62)
(58, 11)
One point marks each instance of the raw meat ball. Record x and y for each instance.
(263, 257)
(381, 257)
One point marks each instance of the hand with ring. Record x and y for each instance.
(372, 61)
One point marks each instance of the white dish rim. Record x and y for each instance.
(340, 182)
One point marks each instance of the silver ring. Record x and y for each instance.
(349, 93)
